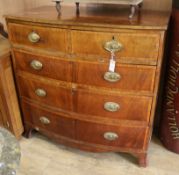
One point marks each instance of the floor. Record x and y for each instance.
(41, 156)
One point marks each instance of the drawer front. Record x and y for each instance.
(52, 39)
(136, 46)
(46, 92)
(128, 77)
(46, 66)
(44, 119)
(113, 106)
(117, 136)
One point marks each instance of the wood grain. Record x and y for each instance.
(92, 103)
(128, 137)
(52, 67)
(56, 95)
(135, 44)
(92, 16)
(9, 107)
(81, 93)
(133, 77)
(13, 6)
(53, 40)
(58, 124)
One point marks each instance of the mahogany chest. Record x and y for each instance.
(65, 88)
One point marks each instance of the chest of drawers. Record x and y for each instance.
(60, 66)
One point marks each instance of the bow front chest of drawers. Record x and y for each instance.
(65, 88)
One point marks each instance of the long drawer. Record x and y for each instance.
(45, 91)
(113, 106)
(117, 136)
(52, 39)
(51, 67)
(47, 120)
(137, 46)
(126, 77)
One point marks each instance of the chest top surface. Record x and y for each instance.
(95, 16)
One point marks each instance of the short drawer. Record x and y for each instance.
(109, 135)
(52, 39)
(45, 91)
(48, 120)
(45, 66)
(112, 106)
(126, 77)
(137, 46)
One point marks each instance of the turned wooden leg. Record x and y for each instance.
(133, 9)
(142, 159)
(28, 132)
(58, 7)
(140, 6)
(139, 11)
(77, 8)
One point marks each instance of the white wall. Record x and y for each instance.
(10, 6)
(158, 4)
(36, 3)
(148, 4)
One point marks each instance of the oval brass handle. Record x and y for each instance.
(111, 106)
(33, 37)
(35, 64)
(111, 136)
(44, 120)
(40, 92)
(113, 46)
(112, 77)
